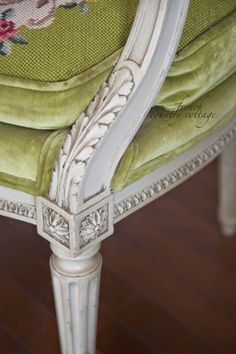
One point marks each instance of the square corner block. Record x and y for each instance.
(79, 232)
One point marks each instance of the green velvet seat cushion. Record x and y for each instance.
(28, 157)
(165, 135)
(52, 107)
(59, 57)
(201, 66)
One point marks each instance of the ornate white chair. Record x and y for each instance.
(76, 183)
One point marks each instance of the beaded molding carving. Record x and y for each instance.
(20, 209)
(160, 187)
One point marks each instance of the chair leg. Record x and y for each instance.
(227, 190)
(76, 283)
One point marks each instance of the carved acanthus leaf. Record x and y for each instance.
(85, 136)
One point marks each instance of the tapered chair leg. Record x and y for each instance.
(76, 283)
(227, 190)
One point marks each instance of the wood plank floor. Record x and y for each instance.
(168, 282)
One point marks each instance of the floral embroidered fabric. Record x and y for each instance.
(31, 13)
(56, 40)
(60, 54)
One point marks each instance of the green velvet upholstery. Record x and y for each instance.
(51, 91)
(165, 135)
(51, 107)
(28, 157)
(201, 66)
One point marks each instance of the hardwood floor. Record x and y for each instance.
(168, 282)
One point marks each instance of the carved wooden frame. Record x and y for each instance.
(78, 179)
(80, 210)
(80, 189)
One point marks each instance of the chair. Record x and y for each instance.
(91, 131)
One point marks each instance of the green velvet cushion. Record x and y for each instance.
(53, 63)
(165, 135)
(54, 106)
(28, 157)
(201, 66)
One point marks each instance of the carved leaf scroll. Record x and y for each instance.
(85, 136)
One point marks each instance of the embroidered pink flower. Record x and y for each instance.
(11, 19)
(7, 29)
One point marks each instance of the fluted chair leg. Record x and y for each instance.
(227, 190)
(76, 291)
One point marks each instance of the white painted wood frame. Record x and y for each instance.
(80, 210)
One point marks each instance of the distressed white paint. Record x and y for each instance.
(227, 190)
(170, 175)
(75, 211)
(101, 134)
(18, 205)
(76, 291)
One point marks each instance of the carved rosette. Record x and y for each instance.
(77, 232)
(56, 226)
(93, 225)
